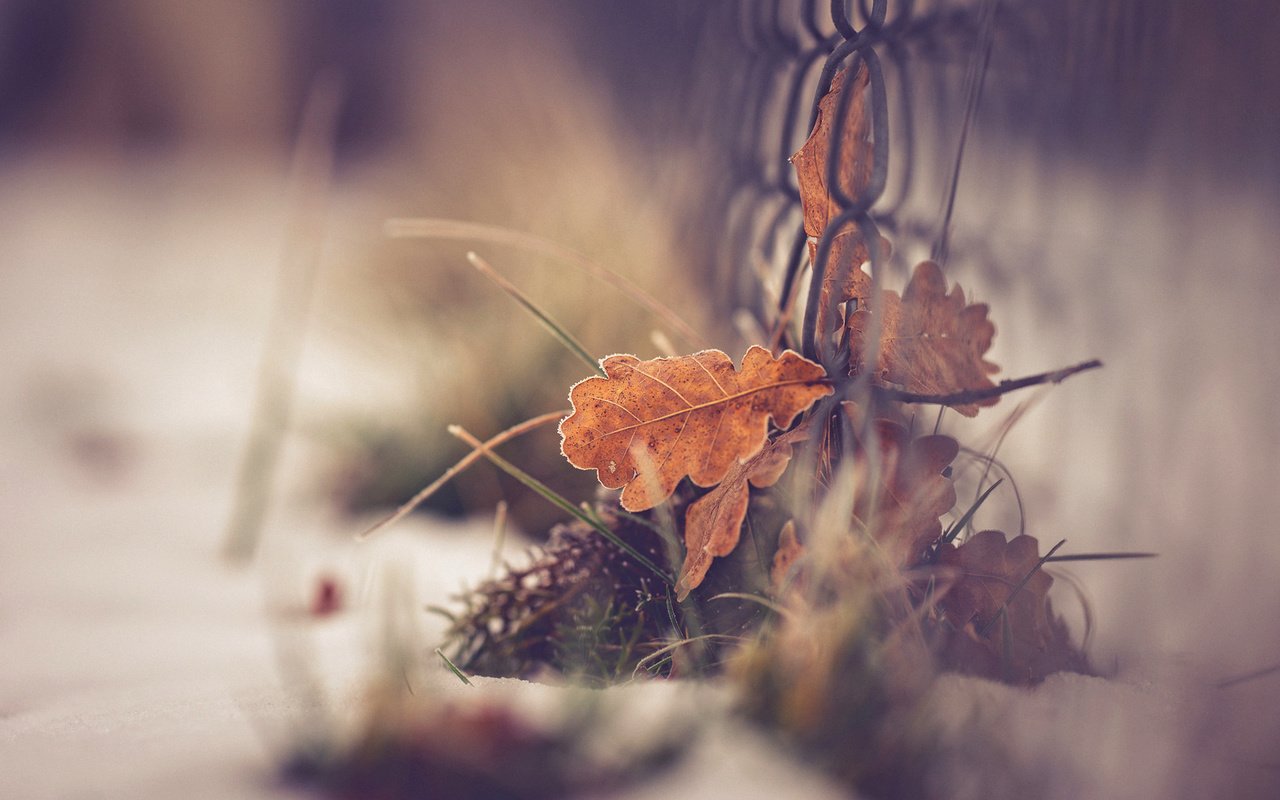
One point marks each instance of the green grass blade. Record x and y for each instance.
(459, 230)
(462, 676)
(776, 608)
(557, 500)
(557, 330)
(955, 529)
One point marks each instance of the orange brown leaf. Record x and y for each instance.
(784, 558)
(843, 279)
(911, 493)
(989, 569)
(931, 341)
(713, 523)
(648, 424)
(811, 160)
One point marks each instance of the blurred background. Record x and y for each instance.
(1117, 198)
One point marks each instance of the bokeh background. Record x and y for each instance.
(1118, 199)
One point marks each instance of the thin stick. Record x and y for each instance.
(466, 461)
(975, 395)
(432, 228)
(556, 329)
(310, 177)
(973, 94)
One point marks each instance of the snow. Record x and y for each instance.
(138, 664)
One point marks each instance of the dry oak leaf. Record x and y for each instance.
(931, 342)
(843, 279)
(989, 570)
(784, 558)
(911, 494)
(713, 523)
(811, 160)
(648, 424)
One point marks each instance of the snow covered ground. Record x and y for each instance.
(135, 663)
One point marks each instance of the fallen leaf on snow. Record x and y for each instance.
(989, 569)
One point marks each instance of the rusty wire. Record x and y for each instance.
(773, 99)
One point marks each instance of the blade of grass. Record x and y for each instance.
(557, 330)
(1018, 587)
(671, 648)
(466, 461)
(755, 598)
(441, 611)
(988, 463)
(310, 181)
(959, 525)
(1101, 556)
(429, 228)
(462, 676)
(1249, 676)
(557, 500)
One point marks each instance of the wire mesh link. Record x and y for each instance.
(791, 51)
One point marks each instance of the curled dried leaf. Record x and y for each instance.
(811, 160)
(910, 494)
(713, 524)
(784, 558)
(931, 341)
(989, 570)
(648, 424)
(844, 278)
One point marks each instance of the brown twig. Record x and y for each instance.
(975, 395)
(466, 461)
